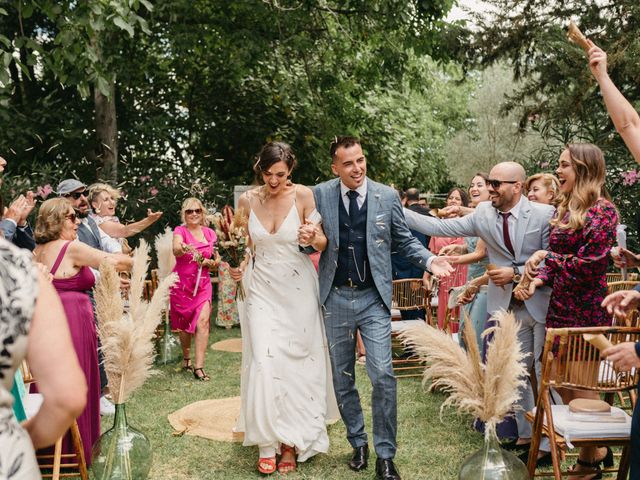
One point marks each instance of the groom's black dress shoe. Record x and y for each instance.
(359, 459)
(386, 470)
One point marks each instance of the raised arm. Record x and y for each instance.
(84, 255)
(623, 115)
(55, 366)
(120, 230)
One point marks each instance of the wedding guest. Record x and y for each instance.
(624, 117)
(456, 197)
(13, 222)
(190, 299)
(575, 263)
(286, 391)
(103, 199)
(69, 262)
(227, 316)
(88, 233)
(543, 188)
(474, 296)
(34, 325)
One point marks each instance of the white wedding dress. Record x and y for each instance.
(286, 387)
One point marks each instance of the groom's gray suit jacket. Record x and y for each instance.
(531, 234)
(387, 231)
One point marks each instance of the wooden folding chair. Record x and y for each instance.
(57, 465)
(407, 294)
(578, 365)
(617, 277)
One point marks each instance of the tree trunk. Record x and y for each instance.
(107, 135)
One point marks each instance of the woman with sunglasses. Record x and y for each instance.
(103, 199)
(190, 297)
(70, 264)
(583, 231)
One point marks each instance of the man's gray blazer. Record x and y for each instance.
(386, 231)
(90, 234)
(532, 234)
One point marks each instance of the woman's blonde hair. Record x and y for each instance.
(588, 164)
(97, 188)
(51, 218)
(549, 181)
(194, 201)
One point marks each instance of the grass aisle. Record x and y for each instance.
(427, 447)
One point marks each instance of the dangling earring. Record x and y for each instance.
(289, 182)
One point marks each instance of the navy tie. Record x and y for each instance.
(353, 204)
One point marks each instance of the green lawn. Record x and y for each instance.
(428, 447)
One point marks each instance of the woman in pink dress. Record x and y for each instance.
(69, 262)
(191, 297)
(456, 197)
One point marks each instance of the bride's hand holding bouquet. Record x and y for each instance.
(233, 239)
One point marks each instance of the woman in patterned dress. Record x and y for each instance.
(582, 234)
(33, 324)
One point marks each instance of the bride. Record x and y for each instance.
(286, 387)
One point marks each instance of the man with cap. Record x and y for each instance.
(75, 191)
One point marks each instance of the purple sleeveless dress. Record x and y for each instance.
(73, 292)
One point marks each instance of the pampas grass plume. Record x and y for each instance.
(487, 391)
(164, 251)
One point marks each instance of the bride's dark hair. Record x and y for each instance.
(273, 152)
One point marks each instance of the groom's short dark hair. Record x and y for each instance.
(345, 142)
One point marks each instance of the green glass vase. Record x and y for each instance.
(168, 349)
(493, 463)
(122, 452)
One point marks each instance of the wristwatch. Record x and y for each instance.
(516, 275)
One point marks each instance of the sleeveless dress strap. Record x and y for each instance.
(58, 261)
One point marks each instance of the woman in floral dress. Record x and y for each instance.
(582, 234)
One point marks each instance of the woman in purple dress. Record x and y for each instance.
(69, 262)
(191, 297)
(582, 234)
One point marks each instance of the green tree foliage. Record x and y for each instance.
(492, 135)
(210, 82)
(557, 90)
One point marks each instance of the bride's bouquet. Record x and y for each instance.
(233, 238)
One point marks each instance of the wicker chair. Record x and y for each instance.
(407, 294)
(578, 365)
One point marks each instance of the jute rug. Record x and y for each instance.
(212, 419)
(229, 345)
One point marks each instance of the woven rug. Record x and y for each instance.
(229, 345)
(212, 419)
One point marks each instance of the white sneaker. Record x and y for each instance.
(106, 407)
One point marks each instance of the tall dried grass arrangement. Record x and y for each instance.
(164, 251)
(487, 390)
(127, 337)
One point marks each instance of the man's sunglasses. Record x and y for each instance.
(497, 183)
(76, 195)
(72, 217)
(190, 211)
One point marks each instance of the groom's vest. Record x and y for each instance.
(353, 263)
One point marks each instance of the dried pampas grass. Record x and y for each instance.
(487, 391)
(127, 338)
(164, 251)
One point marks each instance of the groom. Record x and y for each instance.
(364, 223)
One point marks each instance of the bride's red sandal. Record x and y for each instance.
(287, 467)
(267, 465)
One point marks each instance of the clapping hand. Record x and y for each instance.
(454, 249)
